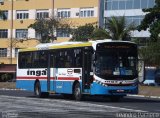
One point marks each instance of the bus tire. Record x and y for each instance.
(37, 91)
(77, 92)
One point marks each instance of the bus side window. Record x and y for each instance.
(22, 60)
(29, 60)
(78, 57)
(43, 59)
(52, 59)
(35, 61)
(68, 59)
(60, 59)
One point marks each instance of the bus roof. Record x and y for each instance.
(47, 46)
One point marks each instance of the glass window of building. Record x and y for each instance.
(122, 4)
(115, 5)
(128, 4)
(22, 14)
(108, 5)
(151, 3)
(4, 16)
(134, 19)
(137, 4)
(38, 35)
(16, 52)
(3, 33)
(86, 12)
(3, 52)
(144, 3)
(64, 13)
(21, 33)
(42, 14)
(62, 33)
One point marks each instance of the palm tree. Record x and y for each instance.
(118, 28)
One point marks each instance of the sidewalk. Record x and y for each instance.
(148, 91)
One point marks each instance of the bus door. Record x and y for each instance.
(51, 79)
(86, 68)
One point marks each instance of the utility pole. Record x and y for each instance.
(11, 32)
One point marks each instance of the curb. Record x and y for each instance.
(7, 89)
(144, 96)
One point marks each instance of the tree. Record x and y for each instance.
(47, 27)
(118, 29)
(82, 33)
(99, 34)
(152, 21)
(151, 54)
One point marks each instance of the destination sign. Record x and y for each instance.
(114, 45)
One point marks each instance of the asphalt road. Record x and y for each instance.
(23, 104)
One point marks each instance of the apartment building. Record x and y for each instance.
(21, 13)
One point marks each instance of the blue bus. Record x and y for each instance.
(103, 67)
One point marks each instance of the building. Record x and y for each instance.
(21, 13)
(131, 9)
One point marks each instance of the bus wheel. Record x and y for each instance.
(37, 91)
(77, 92)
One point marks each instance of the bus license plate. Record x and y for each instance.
(120, 91)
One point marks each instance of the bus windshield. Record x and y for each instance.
(113, 63)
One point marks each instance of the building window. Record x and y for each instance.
(21, 33)
(151, 3)
(3, 33)
(38, 36)
(3, 52)
(87, 12)
(136, 20)
(128, 4)
(42, 14)
(64, 13)
(16, 52)
(62, 33)
(22, 14)
(4, 16)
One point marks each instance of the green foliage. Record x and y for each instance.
(118, 28)
(82, 33)
(152, 21)
(99, 34)
(47, 27)
(151, 54)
